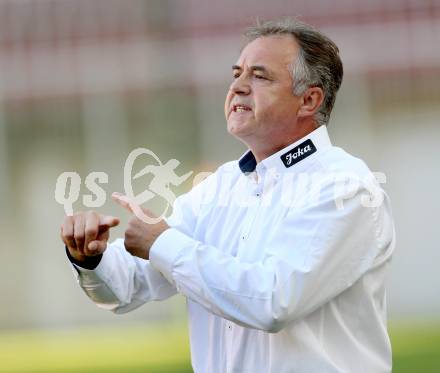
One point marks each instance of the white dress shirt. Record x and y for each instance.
(282, 264)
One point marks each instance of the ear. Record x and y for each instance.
(311, 102)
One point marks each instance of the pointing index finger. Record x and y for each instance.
(106, 222)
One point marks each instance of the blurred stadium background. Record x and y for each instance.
(84, 82)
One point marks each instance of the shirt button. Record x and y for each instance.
(229, 327)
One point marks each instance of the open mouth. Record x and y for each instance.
(240, 108)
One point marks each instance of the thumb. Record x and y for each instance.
(96, 247)
(108, 221)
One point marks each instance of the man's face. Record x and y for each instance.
(260, 105)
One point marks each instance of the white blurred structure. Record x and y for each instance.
(83, 82)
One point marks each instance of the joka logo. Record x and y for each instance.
(298, 153)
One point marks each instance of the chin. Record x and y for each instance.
(236, 127)
(240, 133)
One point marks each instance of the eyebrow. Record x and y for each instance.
(253, 68)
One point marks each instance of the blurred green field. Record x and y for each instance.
(164, 349)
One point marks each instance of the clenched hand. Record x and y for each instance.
(86, 233)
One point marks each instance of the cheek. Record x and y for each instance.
(275, 108)
(266, 108)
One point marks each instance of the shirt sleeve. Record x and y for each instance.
(318, 251)
(121, 282)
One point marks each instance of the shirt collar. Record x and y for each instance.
(290, 156)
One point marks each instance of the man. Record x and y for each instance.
(282, 264)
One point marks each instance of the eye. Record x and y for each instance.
(235, 74)
(261, 77)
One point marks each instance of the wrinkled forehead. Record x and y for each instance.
(276, 51)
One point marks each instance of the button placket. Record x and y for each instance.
(250, 218)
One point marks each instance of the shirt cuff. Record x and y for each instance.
(166, 250)
(90, 263)
(102, 271)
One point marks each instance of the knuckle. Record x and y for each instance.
(91, 232)
(71, 244)
(79, 236)
(68, 235)
(70, 238)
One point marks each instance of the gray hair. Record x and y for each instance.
(317, 65)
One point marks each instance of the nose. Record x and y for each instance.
(240, 86)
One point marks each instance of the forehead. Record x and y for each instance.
(271, 51)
